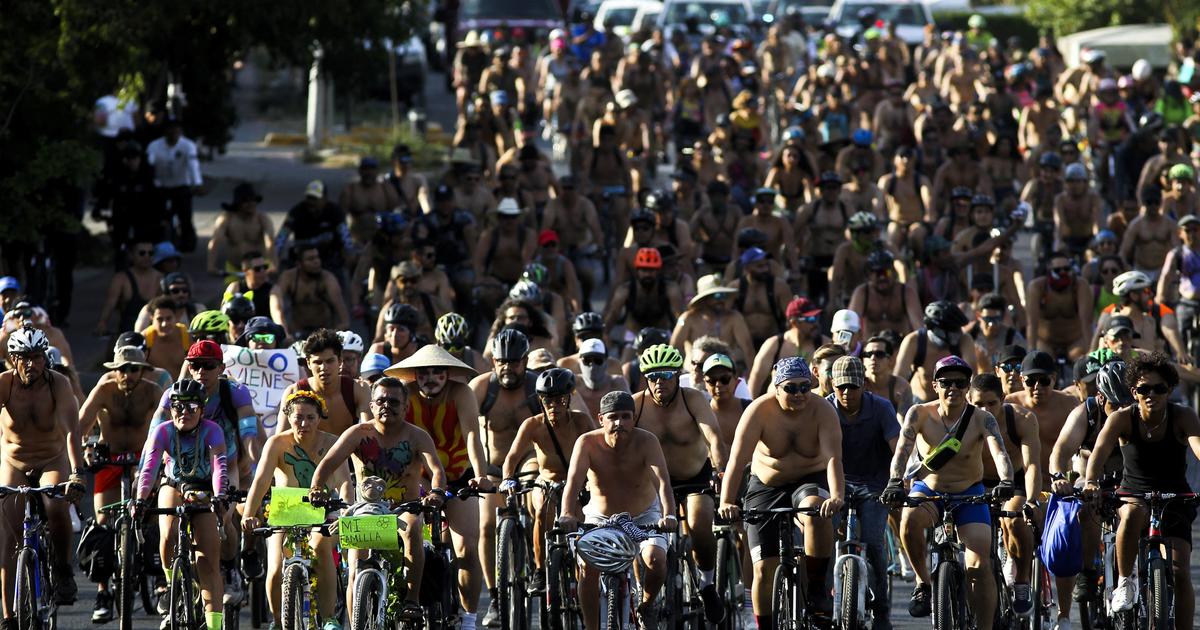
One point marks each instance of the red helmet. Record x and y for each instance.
(205, 349)
(647, 258)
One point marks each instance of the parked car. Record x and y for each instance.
(497, 18)
(909, 17)
(625, 16)
(737, 13)
(813, 11)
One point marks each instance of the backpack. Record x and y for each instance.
(96, 552)
(1062, 537)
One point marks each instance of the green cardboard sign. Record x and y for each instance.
(288, 508)
(369, 532)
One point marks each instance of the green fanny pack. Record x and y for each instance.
(941, 454)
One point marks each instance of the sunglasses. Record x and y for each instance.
(1109, 271)
(1010, 367)
(24, 313)
(593, 360)
(1039, 379)
(807, 319)
(185, 407)
(952, 383)
(387, 401)
(258, 268)
(721, 380)
(847, 386)
(129, 369)
(144, 252)
(178, 290)
(1146, 390)
(203, 365)
(267, 338)
(427, 372)
(796, 388)
(991, 319)
(662, 375)
(555, 401)
(875, 354)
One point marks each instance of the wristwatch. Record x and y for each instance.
(1057, 476)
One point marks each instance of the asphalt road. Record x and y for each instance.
(280, 177)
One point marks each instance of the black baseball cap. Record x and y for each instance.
(1012, 353)
(1118, 323)
(1038, 362)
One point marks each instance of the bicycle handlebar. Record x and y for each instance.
(276, 529)
(54, 492)
(760, 516)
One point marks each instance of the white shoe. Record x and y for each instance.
(1062, 624)
(233, 589)
(1123, 594)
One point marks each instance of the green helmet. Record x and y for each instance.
(451, 327)
(660, 356)
(1181, 171)
(209, 322)
(1102, 356)
(535, 273)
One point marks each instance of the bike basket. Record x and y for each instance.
(369, 532)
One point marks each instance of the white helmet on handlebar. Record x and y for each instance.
(1130, 281)
(607, 549)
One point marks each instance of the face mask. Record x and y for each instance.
(1059, 281)
(593, 375)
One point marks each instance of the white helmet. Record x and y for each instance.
(27, 340)
(1141, 70)
(1130, 281)
(526, 290)
(607, 549)
(351, 341)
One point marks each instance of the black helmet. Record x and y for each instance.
(239, 308)
(1110, 381)
(983, 200)
(510, 345)
(880, 259)
(587, 322)
(555, 381)
(189, 390)
(647, 337)
(750, 237)
(1050, 159)
(945, 315)
(657, 200)
(402, 315)
(961, 192)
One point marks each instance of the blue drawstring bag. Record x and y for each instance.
(1062, 537)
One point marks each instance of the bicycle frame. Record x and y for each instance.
(791, 563)
(851, 550)
(1151, 547)
(296, 536)
(32, 530)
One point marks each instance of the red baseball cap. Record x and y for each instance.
(547, 236)
(205, 349)
(801, 307)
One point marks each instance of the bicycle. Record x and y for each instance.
(1039, 578)
(297, 611)
(129, 554)
(851, 574)
(380, 589)
(789, 589)
(186, 609)
(562, 601)
(619, 592)
(950, 610)
(680, 594)
(514, 562)
(439, 581)
(1154, 597)
(1095, 611)
(728, 574)
(35, 582)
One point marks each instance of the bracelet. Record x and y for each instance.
(1057, 476)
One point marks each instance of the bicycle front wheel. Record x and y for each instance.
(729, 582)
(368, 595)
(126, 581)
(614, 588)
(292, 613)
(949, 610)
(1159, 600)
(851, 578)
(560, 614)
(784, 599)
(185, 614)
(513, 602)
(27, 591)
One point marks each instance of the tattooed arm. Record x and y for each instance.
(906, 443)
(996, 443)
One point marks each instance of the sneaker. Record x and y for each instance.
(165, 624)
(330, 624)
(1123, 595)
(918, 605)
(233, 588)
(102, 611)
(65, 590)
(1022, 603)
(1062, 624)
(537, 582)
(647, 616)
(492, 618)
(1085, 586)
(714, 608)
(164, 602)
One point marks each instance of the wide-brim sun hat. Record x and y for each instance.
(431, 356)
(708, 286)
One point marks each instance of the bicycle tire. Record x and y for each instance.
(728, 576)
(851, 577)
(783, 599)
(1159, 600)
(291, 612)
(26, 595)
(612, 596)
(258, 611)
(511, 589)
(125, 582)
(558, 614)
(182, 597)
(368, 593)
(948, 608)
(232, 617)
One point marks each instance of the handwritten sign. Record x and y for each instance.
(266, 373)
(369, 532)
(288, 507)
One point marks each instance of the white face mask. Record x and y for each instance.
(593, 375)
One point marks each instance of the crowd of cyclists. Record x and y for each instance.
(832, 301)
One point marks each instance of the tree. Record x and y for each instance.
(1071, 16)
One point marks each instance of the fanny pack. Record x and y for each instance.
(941, 454)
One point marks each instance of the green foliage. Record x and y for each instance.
(1000, 26)
(1071, 16)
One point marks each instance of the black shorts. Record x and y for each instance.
(1018, 483)
(698, 483)
(764, 537)
(462, 482)
(1176, 519)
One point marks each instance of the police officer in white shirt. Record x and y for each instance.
(177, 176)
